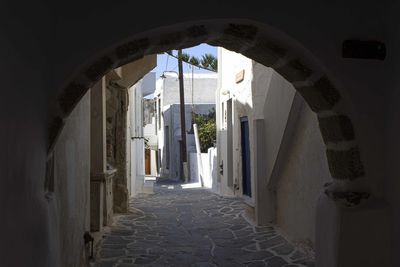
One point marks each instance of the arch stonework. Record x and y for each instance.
(255, 42)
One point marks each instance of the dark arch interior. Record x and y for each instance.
(252, 41)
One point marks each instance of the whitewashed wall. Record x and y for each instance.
(202, 95)
(297, 172)
(231, 63)
(171, 118)
(208, 174)
(135, 142)
(71, 197)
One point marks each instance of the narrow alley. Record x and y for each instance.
(285, 112)
(180, 226)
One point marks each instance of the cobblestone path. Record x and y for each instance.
(192, 227)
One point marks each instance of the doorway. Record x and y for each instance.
(147, 164)
(229, 130)
(245, 142)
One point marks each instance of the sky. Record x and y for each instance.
(168, 63)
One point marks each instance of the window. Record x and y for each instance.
(159, 113)
(166, 142)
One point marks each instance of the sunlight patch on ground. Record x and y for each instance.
(150, 178)
(192, 185)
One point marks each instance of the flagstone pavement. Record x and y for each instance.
(192, 227)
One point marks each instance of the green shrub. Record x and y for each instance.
(206, 126)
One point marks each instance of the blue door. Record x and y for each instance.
(244, 125)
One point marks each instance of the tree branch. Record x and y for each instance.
(199, 66)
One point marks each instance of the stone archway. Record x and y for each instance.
(263, 45)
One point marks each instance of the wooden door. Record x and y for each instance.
(147, 160)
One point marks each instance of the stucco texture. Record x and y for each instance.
(304, 170)
(71, 198)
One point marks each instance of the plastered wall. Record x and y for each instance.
(71, 198)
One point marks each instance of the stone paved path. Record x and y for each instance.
(192, 227)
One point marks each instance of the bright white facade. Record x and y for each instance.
(287, 158)
(200, 90)
(136, 135)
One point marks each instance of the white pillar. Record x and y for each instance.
(198, 150)
(265, 200)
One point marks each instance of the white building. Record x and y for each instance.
(200, 90)
(270, 150)
(135, 133)
(151, 150)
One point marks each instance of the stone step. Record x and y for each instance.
(249, 211)
(148, 186)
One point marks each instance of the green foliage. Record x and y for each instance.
(194, 61)
(206, 125)
(214, 65)
(209, 61)
(185, 57)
